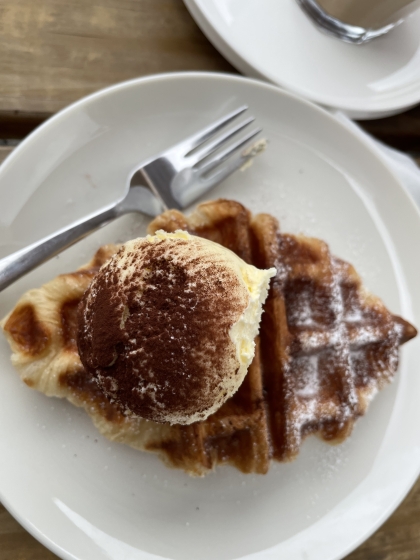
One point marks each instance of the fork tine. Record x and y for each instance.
(200, 137)
(235, 162)
(201, 153)
(221, 173)
(228, 152)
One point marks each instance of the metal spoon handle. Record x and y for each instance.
(21, 262)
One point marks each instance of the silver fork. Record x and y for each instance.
(174, 179)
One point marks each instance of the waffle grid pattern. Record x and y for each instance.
(326, 346)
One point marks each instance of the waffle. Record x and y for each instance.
(326, 346)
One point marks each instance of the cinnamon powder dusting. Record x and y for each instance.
(155, 332)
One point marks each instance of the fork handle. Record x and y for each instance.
(21, 262)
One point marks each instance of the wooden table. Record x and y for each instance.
(53, 52)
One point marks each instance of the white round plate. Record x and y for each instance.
(275, 40)
(88, 499)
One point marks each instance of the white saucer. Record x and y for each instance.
(274, 40)
(88, 499)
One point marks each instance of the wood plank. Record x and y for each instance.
(17, 125)
(4, 152)
(53, 52)
(17, 544)
(400, 131)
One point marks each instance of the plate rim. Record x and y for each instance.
(162, 77)
(353, 108)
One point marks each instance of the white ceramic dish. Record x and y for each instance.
(274, 40)
(87, 499)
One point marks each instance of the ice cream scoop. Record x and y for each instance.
(167, 326)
